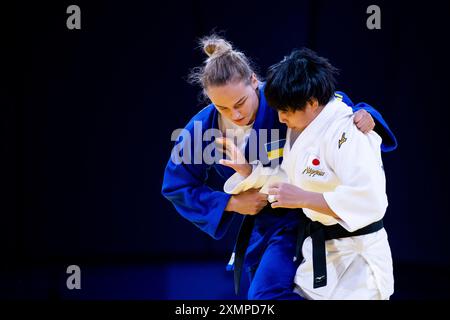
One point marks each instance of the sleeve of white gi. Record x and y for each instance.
(261, 177)
(360, 199)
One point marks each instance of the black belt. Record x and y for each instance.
(319, 233)
(241, 247)
(243, 240)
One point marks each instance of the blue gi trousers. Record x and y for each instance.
(270, 254)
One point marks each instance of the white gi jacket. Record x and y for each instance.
(331, 156)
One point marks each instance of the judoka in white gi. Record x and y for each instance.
(333, 172)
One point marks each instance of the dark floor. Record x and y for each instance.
(180, 281)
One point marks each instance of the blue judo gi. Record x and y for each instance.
(196, 191)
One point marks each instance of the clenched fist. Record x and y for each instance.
(249, 202)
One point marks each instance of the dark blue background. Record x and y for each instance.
(87, 115)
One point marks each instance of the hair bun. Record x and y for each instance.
(215, 46)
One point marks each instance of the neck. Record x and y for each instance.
(256, 107)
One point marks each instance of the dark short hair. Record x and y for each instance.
(302, 75)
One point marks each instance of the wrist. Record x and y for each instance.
(306, 200)
(247, 170)
(231, 204)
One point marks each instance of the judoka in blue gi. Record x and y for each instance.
(267, 239)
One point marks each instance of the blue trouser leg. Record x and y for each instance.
(274, 276)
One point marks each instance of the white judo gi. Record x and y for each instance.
(331, 156)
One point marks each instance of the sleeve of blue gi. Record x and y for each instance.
(381, 127)
(184, 185)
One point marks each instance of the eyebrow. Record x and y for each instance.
(239, 101)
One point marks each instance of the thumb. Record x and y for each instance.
(275, 205)
(227, 163)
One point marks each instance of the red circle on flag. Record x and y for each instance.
(316, 162)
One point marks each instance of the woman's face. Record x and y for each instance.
(236, 101)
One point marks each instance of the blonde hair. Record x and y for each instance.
(223, 65)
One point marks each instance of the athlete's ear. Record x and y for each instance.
(254, 81)
(314, 103)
